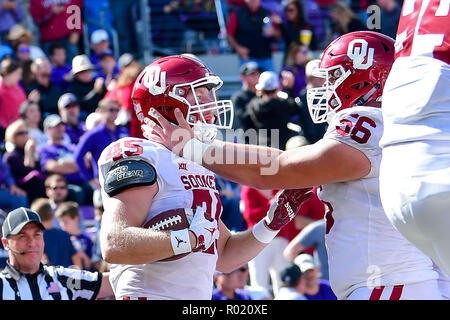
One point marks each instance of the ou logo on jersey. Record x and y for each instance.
(151, 79)
(357, 51)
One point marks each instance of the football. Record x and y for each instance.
(174, 219)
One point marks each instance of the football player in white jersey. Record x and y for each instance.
(161, 229)
(415, 171)
(368, 257)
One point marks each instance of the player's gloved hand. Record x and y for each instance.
(281, 212)
(286, 206)
(204, 228)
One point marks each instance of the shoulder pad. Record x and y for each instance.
(127, 174)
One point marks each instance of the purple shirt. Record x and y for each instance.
(54, 152)
(75, 133)
(94, 141)
(299, 79)
(238, 295)
(57, 76)
(9, 18)
(325, 292)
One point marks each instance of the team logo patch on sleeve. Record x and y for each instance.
(128, 174)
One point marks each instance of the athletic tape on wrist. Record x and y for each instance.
(262, 233)
(180, 241)
(194, 149)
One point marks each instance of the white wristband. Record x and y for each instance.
(262, 233)
(194, 149)
(180, 241)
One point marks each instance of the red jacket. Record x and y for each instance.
(56, 27)
(11, 97)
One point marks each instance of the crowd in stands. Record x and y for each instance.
(62, 103)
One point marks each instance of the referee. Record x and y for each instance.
(26, 278)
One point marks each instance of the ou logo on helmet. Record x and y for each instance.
(359, 52)
(151, 79)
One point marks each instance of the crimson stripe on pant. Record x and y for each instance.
(396, 293)
(376, 293)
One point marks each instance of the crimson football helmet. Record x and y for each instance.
(355, 67)
(165, 84)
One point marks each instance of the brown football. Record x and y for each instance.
(174, 219)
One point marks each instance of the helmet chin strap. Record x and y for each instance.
(204, 132)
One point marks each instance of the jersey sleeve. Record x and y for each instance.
(360, 128)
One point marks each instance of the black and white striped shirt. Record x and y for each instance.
(49, 283)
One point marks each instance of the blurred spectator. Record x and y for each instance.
(99, 44)
(230, 196)
(121, 90)
(59, 249)
(265, 267)
(31, 114)
(271, 110)
(345, 20)
(48, 92)
(108, 66)
(95, 140)
(249, 78)
(87, 90)
(22, 161)
(318, 18)
(93, 120)
(228, 283)
(295, 28)
(200, 17)
(313, 132)
(168, 29)
(313, 235)
(11, 94)
(69, 110)
(60, 68)
(22, 52)
(97, 259)
(18, 34)
(57, 157)
(315, 288)
(249, 37)
(292, 284)
(68, 215)
(57, 191)
(123, 22)
(390, 15)
(11, 196)
(293, 79)
(3, 252)
(5, 51)
(97, 15)
(52, 18)
(125, 60)
(10, 14)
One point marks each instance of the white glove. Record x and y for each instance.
(206, 231)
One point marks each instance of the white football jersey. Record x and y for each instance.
(182, 184)
(416, 95)
(364, 249)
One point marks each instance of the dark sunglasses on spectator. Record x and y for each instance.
(58, 187)
(112, 109)
(19, 133)
(289, 10)
(24, 50)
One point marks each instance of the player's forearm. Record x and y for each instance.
(246, 164)
(240, 248)
(134, 245)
